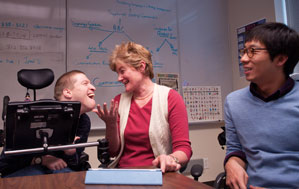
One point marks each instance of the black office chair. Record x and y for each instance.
(5, 102)
(219, 182)
(37, 79)
(221, 177)
(196, 170)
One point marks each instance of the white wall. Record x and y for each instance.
(240, 13)
(205, 60)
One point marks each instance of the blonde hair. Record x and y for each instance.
(65, 81)
(132, 53)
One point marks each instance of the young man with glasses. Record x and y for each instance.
(262, 120)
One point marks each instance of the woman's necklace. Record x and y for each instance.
(144, 97)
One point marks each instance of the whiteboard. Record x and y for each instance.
(189, 38)
(32, 35)
(95, 27)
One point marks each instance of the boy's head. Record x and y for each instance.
(278, 39)
(75, 86)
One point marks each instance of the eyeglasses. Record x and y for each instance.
(250, 52)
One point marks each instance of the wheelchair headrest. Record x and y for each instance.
(35, 79)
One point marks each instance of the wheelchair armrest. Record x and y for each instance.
(83, 157)
(83, 164)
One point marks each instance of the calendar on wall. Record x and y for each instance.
(203, 103)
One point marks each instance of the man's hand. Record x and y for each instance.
(255, 187)
(236, 176)
(166, 163)
(72, 151)
(53, 163)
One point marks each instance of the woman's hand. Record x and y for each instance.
(108, 116)
(166, 163)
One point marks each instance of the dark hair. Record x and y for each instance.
(278, 39)
(65, 81)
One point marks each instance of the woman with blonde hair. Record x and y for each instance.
(147, 125)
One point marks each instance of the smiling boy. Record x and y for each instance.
(71, 86)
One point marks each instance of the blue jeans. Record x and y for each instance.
(37, 170)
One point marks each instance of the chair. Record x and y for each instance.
(220, 181)
(221, 177)
(37, 79)
(196, 170)
(221, 138)
(5, 102)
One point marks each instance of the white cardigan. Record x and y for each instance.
(159, 132)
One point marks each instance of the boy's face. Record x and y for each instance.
(83, 91)
(259, 68)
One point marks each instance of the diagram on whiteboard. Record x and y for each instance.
(93, 35)
(119, 32)
(95, 27)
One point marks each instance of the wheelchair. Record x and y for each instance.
(34, 80)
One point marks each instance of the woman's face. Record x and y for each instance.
(129, 76)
